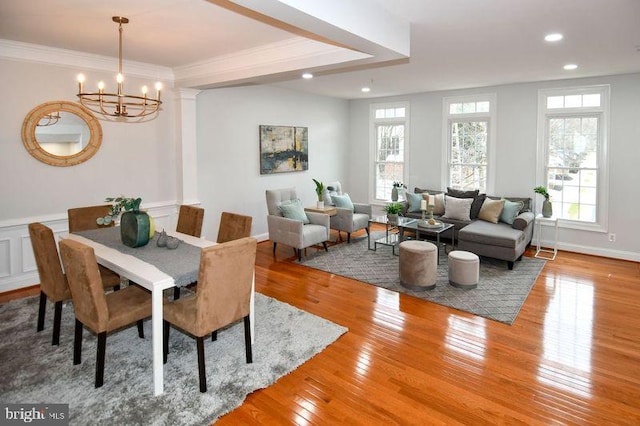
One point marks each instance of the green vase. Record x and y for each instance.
(394, 194)
(134, 228)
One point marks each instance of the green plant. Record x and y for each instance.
(393, 208)
(319, 189)
(542, 191)
(118, 205)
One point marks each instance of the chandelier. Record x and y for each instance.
(119, 104)
(49, 119)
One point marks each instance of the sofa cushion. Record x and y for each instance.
(525, 201)
(457, 208)
(478, 199)
(498, 234)
(342, 201)
(438, 207)
(491, 210)
(292, 209)
(414, 202)
(510, 211)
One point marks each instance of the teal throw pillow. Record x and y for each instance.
(510, 210)
(292, 209)
(414, 202)
(342, 201)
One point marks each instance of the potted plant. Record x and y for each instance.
(393, 210)
(135, 226)
(547, 208)
(397, 186)
(319, 192)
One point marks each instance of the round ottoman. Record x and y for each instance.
(464, 269)
(418, 265)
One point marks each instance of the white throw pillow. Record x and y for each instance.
(457, 208)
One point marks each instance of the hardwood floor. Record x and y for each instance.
(571, 357)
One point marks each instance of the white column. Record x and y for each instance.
(186, 147)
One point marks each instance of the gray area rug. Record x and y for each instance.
(499, 295)
(33, 371)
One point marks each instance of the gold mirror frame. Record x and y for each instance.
(33, 147)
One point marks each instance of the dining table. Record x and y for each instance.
(151, 268)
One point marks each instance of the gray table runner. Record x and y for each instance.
(181, 264)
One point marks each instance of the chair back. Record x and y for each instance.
(233, 226)
(276, 196)
(87, 292)
(190, 220)
(52, 280)
(224, 283)
(326, 195)
(84, 218)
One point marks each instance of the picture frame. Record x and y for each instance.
(283, 149)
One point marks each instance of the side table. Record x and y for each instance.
(331, 211)
(551, 221)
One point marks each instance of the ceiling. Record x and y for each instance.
(347, 44)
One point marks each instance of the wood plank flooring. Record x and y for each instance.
(571, 357)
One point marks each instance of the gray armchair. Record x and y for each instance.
(292, 232)
(347, 220)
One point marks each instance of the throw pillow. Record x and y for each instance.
(342, 201)
(510, 211)
(491, 210)
(438, 207)
(414, 201)
(478, 199)
(457, 208)
(292, 209)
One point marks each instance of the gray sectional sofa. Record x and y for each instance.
(496, 240)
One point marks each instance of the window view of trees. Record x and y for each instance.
(468, 155)
(389, 167)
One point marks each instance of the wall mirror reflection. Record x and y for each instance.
(61, 133)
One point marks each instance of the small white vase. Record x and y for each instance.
(320, 204)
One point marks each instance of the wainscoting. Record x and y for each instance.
(17, 264)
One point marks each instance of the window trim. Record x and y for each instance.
(602, 204)
(491, 117)
(373, 121)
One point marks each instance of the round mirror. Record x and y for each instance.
(61, 133)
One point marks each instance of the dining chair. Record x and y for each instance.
(84, 219)
(99, 312)
(233, 226)
(223, 297)
(53, 282)
(190, 220)
(190, 223)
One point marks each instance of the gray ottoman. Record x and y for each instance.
(418, 265)
(464, 269)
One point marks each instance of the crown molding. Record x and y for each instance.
(283, 56)
(36, 53)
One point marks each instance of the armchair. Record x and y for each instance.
(347, 220)
(293, 232)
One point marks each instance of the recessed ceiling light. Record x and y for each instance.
(366, 89)
(570, 67)
(553, 37)
(307, 75)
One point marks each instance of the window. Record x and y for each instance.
(390, 142)
(468, 124)
(572, 151)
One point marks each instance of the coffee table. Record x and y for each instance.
(391, 235)
(414, 225)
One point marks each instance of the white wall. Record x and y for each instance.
(135, 159)
(228, 149)
(515, 165)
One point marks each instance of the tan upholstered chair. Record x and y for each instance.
(347, 220)
(223, 297)
(84, 219)
(190, 220)
(293, 232)
(99, 312)
(53, 282)
(233, 226)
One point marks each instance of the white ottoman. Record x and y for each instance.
(464, 269)
(418, 265)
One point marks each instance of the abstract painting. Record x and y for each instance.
(283, 149)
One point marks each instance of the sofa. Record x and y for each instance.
(486, 231)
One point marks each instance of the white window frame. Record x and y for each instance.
(372, 143)
(602, 202)
(490, 117)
